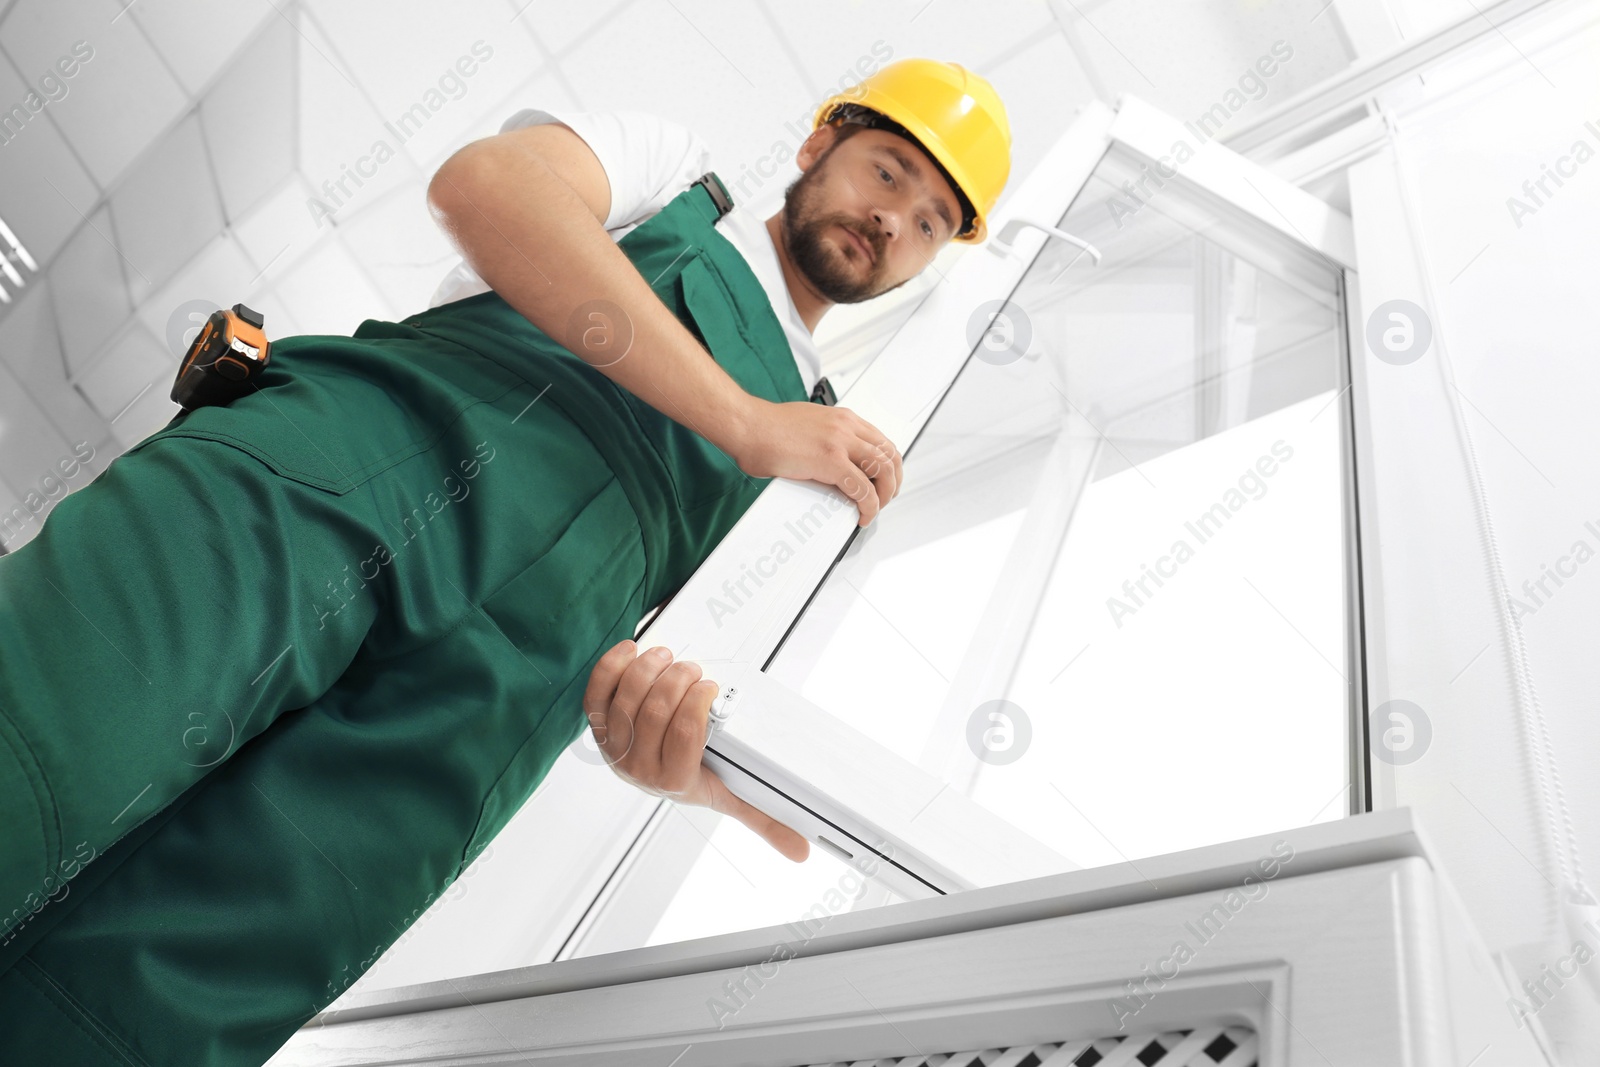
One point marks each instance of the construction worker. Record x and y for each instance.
(273, 680)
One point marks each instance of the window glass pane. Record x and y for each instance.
(742, 883)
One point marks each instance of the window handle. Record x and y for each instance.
(1003, 242)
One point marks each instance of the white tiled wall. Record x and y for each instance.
(133, 361)
(402, 249)
(31, 349)
(120, 98)
(183, 158)
(249, 119)
(166, 208)
(199, 40)
(43, 184)
(88, 290)
(430, 69)
(332, 291)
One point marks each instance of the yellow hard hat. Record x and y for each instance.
(954, 114)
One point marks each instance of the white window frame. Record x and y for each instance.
(810, 769)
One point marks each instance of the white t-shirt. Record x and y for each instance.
(649, 161)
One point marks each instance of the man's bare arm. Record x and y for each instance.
(527, 209)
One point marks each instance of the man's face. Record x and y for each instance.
(878, 187)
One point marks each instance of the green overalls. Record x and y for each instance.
(273, 679)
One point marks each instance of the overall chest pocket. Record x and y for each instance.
(701, 472)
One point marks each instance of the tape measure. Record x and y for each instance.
(225, 361)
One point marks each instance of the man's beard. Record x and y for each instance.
(834, 273)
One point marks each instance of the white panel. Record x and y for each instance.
(329, 293)
(42, 186)
(117, 100)
(198, 38)
(413, 77)
(30, 346)
(88, 291)
(1485, 486)
(133, 363)
(166, 208)
(249, 119)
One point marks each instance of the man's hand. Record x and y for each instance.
(649, 718)
(815, 442)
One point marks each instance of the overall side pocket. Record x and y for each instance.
(558, 612)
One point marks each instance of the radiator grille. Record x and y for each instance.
(1214, 1046)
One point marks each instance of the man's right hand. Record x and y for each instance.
(650, 717)
(814, 442)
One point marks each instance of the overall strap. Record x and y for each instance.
(721, 202)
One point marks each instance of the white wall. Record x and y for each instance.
(1509, 386)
